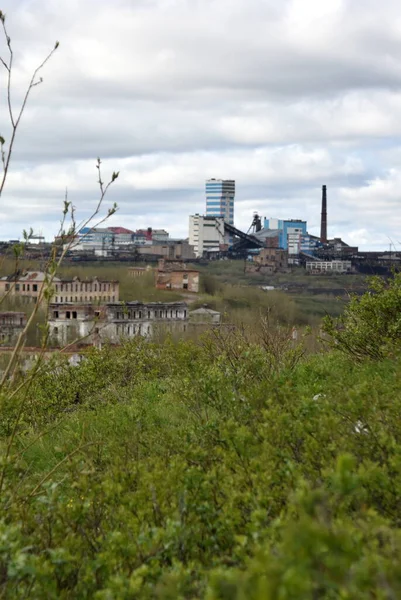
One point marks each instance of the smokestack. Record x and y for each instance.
(323, 223)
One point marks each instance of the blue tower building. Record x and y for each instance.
(220, 194)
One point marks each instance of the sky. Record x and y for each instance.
(282, 96)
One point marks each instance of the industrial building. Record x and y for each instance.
(290, 233)
(220, 195)
(331, 266)
(207, 234)
(107, 241)
(113, 321)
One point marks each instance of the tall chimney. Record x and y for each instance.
(323, 223)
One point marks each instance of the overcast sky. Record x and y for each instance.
(282, 96)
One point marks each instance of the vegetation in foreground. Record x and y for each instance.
(223, 470)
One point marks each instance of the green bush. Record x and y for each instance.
(371, 324)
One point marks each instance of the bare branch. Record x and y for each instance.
(6, 156)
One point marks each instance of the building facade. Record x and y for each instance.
(113, 321)
(28, 285)
(220, 195)
(206, 234)
(86, 290)
(332, 266)
(176, 276)
(290, 233)
(11, 325)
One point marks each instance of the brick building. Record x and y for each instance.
(269, 260)
(176, 276)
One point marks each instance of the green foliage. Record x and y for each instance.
(371, 324)
(224, 470)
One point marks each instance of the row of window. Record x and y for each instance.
(84, 298)
(84, 287)
(157, 314)
(25, 287)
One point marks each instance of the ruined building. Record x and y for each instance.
(27, 285)
(269, 260)
(11, 325)
(174, 275)
(113, 321)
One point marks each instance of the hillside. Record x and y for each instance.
(222, 470)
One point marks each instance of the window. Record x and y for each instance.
(61, 298)
(35, 287)
(74, 314)
(90, 298)
(62, 288)
(185, 286)
(17, 287)
(68, 315)
(28, 287)
(55, 314)
(140, 314)
(56, 298)
(95, 287)
(7, 287)
(76, 298)
(148, 314)
(23, 287)
(55, 330)
(70, 298)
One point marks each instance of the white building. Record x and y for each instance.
(114, 321)
(206, 234)
(333, 266)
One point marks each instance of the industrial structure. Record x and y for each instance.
(220, 195)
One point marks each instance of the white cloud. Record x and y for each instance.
(280, 96)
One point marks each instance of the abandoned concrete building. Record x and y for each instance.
(113, 321)
(174, 275)
(269, 260)
(139, 271)
(11, 325)
(28, 284)
(204, 316)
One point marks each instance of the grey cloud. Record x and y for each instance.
(280, 96)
